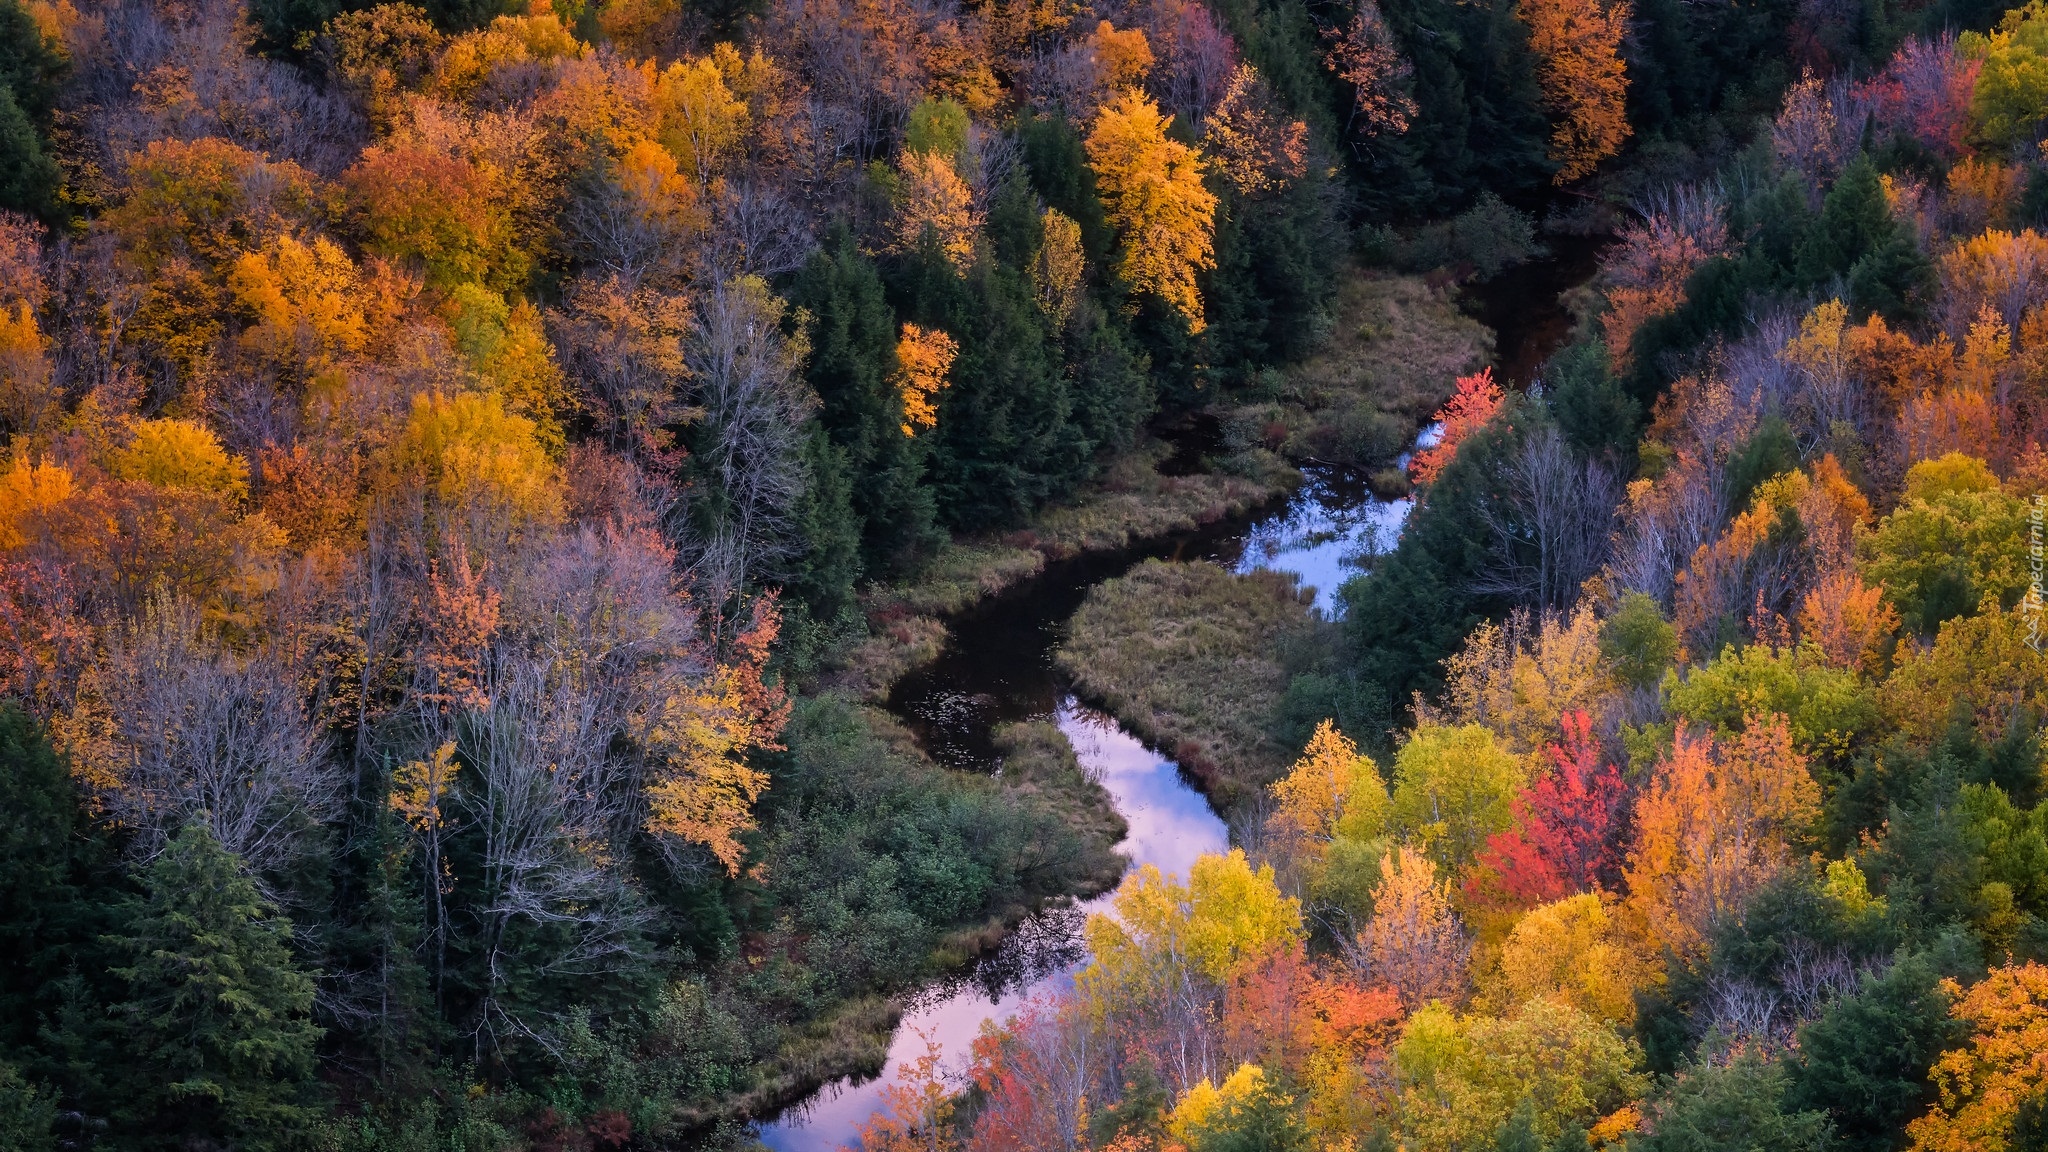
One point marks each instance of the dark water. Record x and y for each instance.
(1524, 307)
(997, 667)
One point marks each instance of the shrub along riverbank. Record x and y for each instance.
(878, 870)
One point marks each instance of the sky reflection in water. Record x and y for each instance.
(1004, 673)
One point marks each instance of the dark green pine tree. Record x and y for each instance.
(1735, 1107)
(1864, 1061)
(216, 1030)
(1518, 1132)
(61, 884)
(29, 70)
(1006, 440)
(823, 578)
(1481, 124)
(1854, 222)
(853, 352)
(28, 1115)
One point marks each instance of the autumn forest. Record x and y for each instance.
(511, 510)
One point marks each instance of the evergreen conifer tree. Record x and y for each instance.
(218, 1020)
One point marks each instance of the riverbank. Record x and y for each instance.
(876, 872)
(1189, 657)
(1396, 348)
(1134, 501)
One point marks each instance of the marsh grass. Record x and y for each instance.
(1038, 761)
(1397, 347)
(1130, 503)
(1189, 657)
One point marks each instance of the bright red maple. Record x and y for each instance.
(1565, 838)
(1475, 402)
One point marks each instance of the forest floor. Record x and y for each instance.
(1189, 657)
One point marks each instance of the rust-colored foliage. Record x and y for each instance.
(924, 356)
(1583, 78)
(1475, 402)
(1715, 824)
(1365, 56)
(2004, 1067)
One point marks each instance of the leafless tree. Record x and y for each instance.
(620, 231)
(756, 230)
(990, 157)
(750, 388)
(171, 726)
(1549, 522)
(544, 804)
(1743, 1011)
(147, 72)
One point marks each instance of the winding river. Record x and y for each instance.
(997, 667)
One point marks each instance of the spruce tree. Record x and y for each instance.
(853, 352)
(59, 881)
(217, 1021)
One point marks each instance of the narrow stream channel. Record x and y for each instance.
(997, 667)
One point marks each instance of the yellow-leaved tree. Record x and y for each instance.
(473, 458)
(699, 120)
(1575, 952)
(923, 357)
(1460, 1078)
(1332, 791)
(1058, 266)
(1152, 186)
(305, 301)
(181, 454)
(700, 786)
(1163, 960)
(934, 199)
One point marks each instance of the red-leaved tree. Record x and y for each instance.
(1475, 402)
(1567, 823)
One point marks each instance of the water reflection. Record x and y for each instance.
(1332, 527)
(998, 668)
(1171, 825)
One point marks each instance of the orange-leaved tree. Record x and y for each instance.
(1413, 943)
(1365, 56)
(933, 198)
(923, 357)
(2004, 1067)
(1715, 826)
(1152, 186)
(1583, 78)
(918, 1112)
(1256, 147)
(1475, 402)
